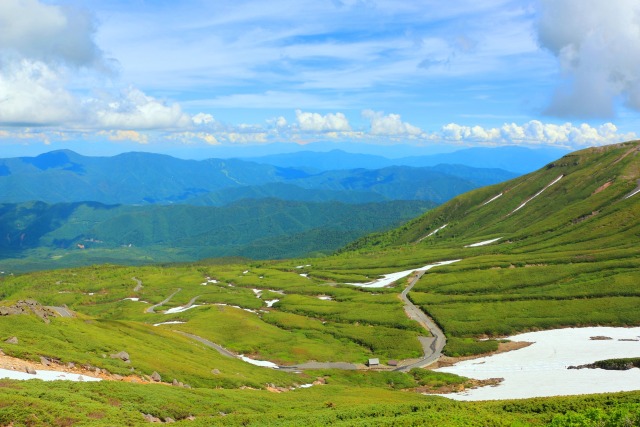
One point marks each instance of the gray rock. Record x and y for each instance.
(12, 340)
(117, 377)
(156, 377)
(215, 371)
(169, 420)
(71, 365)
(175, 382)
(123, 355)
(45, 361)
(30, 370)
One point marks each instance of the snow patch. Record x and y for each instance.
(436, 230)
(45, 376)
(637, 190)
(486, 242)
(181, 309)
(536, 195)
(540, 369)
(304, 275)
(170, 322)
(491, 199)
(271, 302)
(388, 279)
(263, 363)
(325, 297)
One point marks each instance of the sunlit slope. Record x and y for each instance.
(585, 196)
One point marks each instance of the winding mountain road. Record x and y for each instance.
(164, 301)
(431, 346)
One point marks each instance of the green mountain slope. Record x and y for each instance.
(560, 250)
(265, 228)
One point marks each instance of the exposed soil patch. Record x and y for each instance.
(15, 364)
(503, 347)
(602, 187)
(456, 388)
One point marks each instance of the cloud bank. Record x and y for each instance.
(597, 45)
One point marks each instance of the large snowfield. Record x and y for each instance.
(541, 369)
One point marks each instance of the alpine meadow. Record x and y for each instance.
(303, 213)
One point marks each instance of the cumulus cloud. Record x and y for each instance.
(126, 135)
(45, 53)
(535, 132)
(597, 44)
(389, 125)
(33, 93)
(48, 32)
(314, 122)
(135, 110)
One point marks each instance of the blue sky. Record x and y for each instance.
(115, 75)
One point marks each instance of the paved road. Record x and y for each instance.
(62, 311)
(164, 301)
(431, 346)
(223, 351)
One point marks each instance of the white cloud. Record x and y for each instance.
(203, 119)
(314, 122)
(48, 32)
(135, 110)
(34, 93)
(389, 125)
(535, 132)
(126, 135)
(597, 45)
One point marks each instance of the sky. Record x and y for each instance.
(196, 76)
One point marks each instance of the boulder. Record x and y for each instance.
(123, 355)
(12, 340)
(30, 370)
(215, 371)
(169, 420)
(45, 361)
(156, 377)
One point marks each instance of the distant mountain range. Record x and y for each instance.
(511, 158)
(144, 178)
(61, 208)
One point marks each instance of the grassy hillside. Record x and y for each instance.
(87, 233)
(566, 257)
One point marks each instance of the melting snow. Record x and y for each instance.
(536, 195)
(131, 299)
(245, 272)
(181, 309)
(303, 266)
(436, 230)
(388, 279)
(325, 298)
(486, 242)
(541, 369)
(262, 363)
(45, 376)
(491, 199)
(271, 302)
(304, 275)
(171, 322)
(634, 193)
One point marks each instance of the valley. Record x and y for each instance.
(553, 249)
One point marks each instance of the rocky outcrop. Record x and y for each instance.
(28, 306)
(123, 355)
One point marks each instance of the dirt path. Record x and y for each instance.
(139, 286)
(166, 300)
